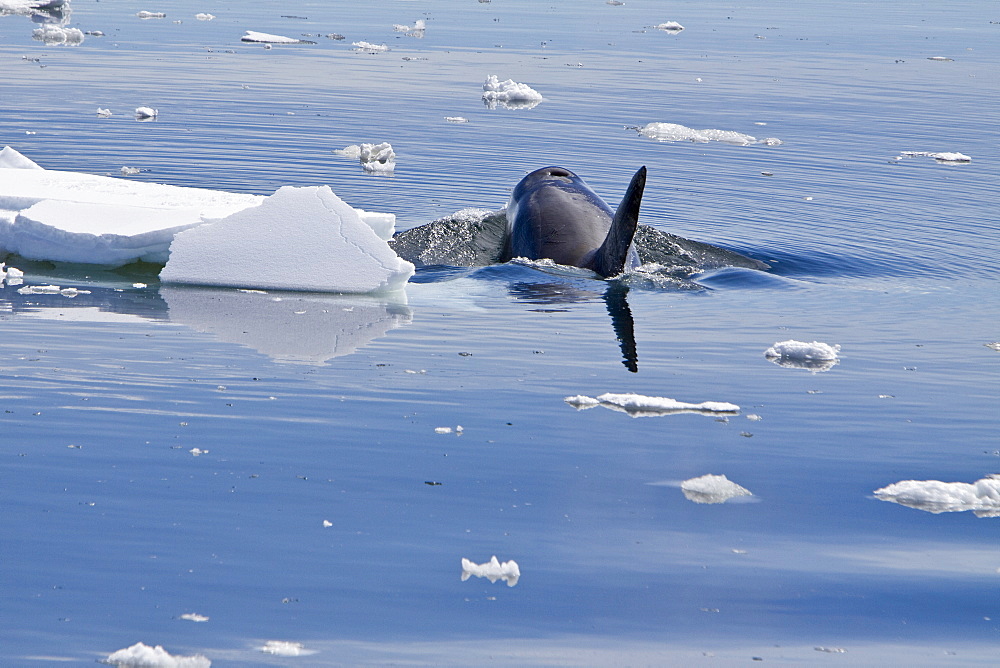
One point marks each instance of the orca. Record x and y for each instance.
(553, 215)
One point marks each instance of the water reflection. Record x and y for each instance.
(308, 328)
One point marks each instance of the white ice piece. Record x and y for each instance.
(267, 38)
(673, 132)
(194, 617)
(145, 112)
(103, 113)
(456, 119)
(492, 570)
(933, 496)
(297, 239)
(509, 94)
(144, 14)
(368, 47)
(815, 356)
(638, 405)
(285, 648)
(377, 157)
(141, 655)
(54, 35)
(712, 489)
(945, 157)
(205, 16)
(669, 27)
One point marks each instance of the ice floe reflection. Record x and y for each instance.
(308, 328)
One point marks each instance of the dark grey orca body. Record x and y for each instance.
(554, 215)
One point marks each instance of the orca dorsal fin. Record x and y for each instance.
(611, 257)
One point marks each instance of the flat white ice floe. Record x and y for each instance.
(669, 27)
(509, 94)
(672, 132)
(712, 489)
(492, 570)
(140, 655)
(144, 14)
(638, 405)
(266, 38)
(285, 648)
(203, 16)
(946, 158)
(815, 356)
(933, 496)
(297, 239)
(368, 47)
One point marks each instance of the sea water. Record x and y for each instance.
(278, 463)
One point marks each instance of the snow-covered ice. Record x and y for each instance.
(25, 6)
(145, 14)
(82, 218)
(146, 112)
(456, 119)
(368, 47)
(417, 30)
(933, 496)
(203, 16)
(669, 27)
(712, 489)
(376, 158)
(141, 655)
(54, 35)
(815, 356)
(297, 239)
(285, 648)
(266, 38)
(946, 157)
(509, 94)
(492, 570)
(103, 113)
(672, 132)
(194, 617)
(638, 405)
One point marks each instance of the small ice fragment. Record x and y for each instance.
(204, 17)
(151, 15)
(669, 27)
(39, 290)
(145, 112)
(582, 402)
(614, 3)
(130, 171)
(815, 356)
(368, 47)
(14, 272)
(377, 157)
(992, 346)
(753, 417)
(54, 35)
(267, 38)
(492, 570)
(140, 655)
(509, 94)
(638, 405)
(194, 617)
(416, 31)
(831, 650)
(138, 286)
(103, 113)
(198, 451)
(73, 292)
(456, 119)
(940, 58)
(327, 524)
(459, 429)
(352, 151)
(335, 36)
(285, 648)
(933, 496)
(945, 157)
(712, 489)
(674, 132)
(442, 430)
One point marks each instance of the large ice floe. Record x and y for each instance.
(256, 37)
(141, 655)
(296, 239)
(933, 496)
(815, 356)
(672, 132)
(509, 94)
(712, 489)
(492, 570)
(638, 405)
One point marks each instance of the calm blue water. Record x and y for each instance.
(325, 408)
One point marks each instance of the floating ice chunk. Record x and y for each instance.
(318, 242)
(194, 617)
(933, 496)
(614, 3)
(442, 430)
(145, 112)
(377, 157)
(942, 59)
(285, 648)
(815, 356)
(995, 345)
(130, 171)
(456, 119)
(669, 27)
(418, 29)
(712, 489)
(151, 15)
(140, 655)
(54, 35)
(103, 113)
(509, 94)
(352, 151)
(11, 159)
(267, 38)
(638, 405)
(205, 17)
(368, 47)
(947, 158)
(671, 132)
(492, 570)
